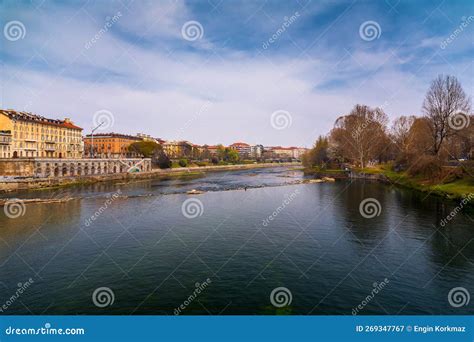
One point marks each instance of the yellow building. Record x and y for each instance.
(178, 149)
(26, 135)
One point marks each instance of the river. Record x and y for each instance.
(256, 242)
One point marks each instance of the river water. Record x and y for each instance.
(147, 247)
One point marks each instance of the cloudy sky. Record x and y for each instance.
(214, 71)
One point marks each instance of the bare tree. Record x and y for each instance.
(361, 135)
(444, 99)
(401, 131)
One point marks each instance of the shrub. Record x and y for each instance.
(161, 160)
(425, 166)
(183, 162)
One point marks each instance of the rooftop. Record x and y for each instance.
(113, 135)
(242, 144)
(30, 117)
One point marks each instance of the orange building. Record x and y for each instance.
(109, 145)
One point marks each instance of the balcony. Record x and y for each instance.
(5, 137)
(50, 149)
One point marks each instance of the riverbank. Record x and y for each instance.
(54, 182)
(456, 190)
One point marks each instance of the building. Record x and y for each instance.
(298, 152)
(178, 149)
(256, 151)
(281, 152)
(213, 150)
(109, 145)
(242, 148)
(147, 137)
(26, 135)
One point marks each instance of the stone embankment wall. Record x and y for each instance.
(46, 168)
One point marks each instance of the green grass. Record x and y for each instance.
(457, 189)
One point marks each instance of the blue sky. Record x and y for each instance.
(225, 85)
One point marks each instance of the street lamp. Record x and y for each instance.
(92, 138)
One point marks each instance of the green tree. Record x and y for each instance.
(231, 155)
(161, 160)
(144, 148)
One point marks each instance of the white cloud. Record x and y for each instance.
(161, 88)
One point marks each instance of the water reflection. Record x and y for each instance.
(318, 245)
